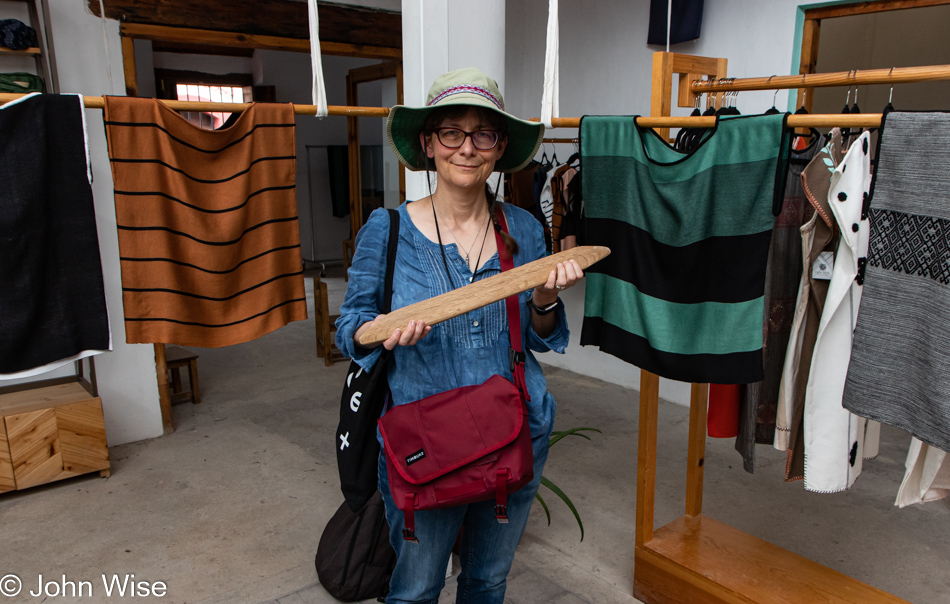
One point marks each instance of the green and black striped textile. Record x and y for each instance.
(681, 294)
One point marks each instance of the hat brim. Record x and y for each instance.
(405, 123)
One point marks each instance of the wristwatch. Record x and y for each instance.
(543, 311)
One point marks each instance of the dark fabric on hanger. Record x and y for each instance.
(686, 21)
(759, 400)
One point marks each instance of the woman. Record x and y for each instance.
(445, 242)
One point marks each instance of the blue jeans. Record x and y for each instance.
(487, 548)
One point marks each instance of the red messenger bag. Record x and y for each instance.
(468, 444)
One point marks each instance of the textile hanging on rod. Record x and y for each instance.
(52, 299)
(901, 357)
(835, 438)
(681, 295)
(759, 400)
(819, 241)
(208, 234)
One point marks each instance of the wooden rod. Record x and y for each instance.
(98, 102)
(560, 140)
(819, 120)
(888, 75)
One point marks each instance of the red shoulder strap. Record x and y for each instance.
(515, 353)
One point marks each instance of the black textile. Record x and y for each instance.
(16, 34)
(685, 24)
(52, 301)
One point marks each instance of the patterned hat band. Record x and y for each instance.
(469, 89)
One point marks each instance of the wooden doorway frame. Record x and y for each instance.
(189, 38)
(811, 28)
(355, 77)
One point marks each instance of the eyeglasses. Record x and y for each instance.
(453, 138)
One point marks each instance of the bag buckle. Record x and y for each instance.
(501, 514)
(515, 358)
(410, 535)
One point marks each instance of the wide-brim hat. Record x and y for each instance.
(468, 86)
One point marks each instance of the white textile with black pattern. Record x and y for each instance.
(900, 364)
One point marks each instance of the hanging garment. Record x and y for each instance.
(927, 477)
(901, 358)
(722, 417)
(207, 219)
(818, 244)
(52, 299)
(834, 438)
(681, 294)
(758, 401)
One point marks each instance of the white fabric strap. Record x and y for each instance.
(549, 98)
(319, 89)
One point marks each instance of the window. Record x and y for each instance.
(210, 120)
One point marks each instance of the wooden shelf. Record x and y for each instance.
(699, 560)
(32, 52)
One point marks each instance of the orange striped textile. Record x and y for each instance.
(208, 236)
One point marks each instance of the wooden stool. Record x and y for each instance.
(326, 324)
(177, 357)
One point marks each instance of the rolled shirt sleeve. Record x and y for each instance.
(364, 291)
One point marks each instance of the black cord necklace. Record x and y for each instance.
(445, 262)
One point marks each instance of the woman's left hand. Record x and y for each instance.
(564, 276)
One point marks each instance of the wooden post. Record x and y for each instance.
(128, 67)
(810, 36)
(662, 86)
(646, 455)
(353, 158)
(161, 369)
(699, 396)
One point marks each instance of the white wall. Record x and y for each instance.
(126, 376)
(606, 67)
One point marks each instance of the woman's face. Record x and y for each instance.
(467, 166)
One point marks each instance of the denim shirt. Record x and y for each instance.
(462, 351)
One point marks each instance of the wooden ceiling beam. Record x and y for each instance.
(358, 26)
(208, 38)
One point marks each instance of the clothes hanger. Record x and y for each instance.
(684, 133)
(890, 97)
(772, 110)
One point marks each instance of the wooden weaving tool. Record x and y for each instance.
(481, 293)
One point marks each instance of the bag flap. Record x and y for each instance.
(440, 433)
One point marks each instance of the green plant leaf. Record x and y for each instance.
(567, 500)
(547, 512)
(556, 436)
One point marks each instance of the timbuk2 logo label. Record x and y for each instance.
(420, 454)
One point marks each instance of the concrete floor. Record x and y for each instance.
(229, 508)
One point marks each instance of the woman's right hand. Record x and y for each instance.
(415, 331)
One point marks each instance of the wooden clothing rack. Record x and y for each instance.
(695, 559)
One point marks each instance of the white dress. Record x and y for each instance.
(834, 437)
